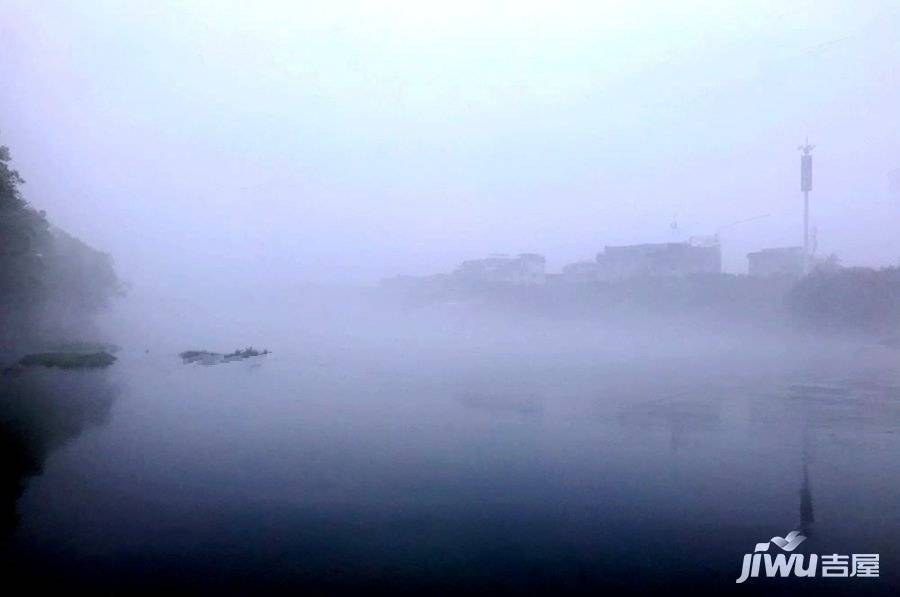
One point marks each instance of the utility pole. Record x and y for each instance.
(806, 187)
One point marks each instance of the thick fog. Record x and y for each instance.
(221, 147)
(449, 297)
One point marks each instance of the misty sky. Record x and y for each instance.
(274, 143)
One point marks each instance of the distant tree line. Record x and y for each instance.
(831, 299)
(849, 300)
(50, 282)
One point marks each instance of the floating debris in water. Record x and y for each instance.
(205, 357)
(246, 353)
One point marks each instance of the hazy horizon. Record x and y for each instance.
(204, 389)
(207, 145)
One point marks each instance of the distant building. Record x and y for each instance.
(581, 271)
(524, 269)
(782, 261)
(697, 256)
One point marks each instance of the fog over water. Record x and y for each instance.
(470, 456)
(255, 171)
(205, 142)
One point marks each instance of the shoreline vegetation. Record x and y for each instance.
(51, 283)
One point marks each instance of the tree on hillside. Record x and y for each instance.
(47, 277)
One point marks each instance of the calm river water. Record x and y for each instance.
(519, 465)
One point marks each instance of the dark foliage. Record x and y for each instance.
(49, 280)
(855, 300)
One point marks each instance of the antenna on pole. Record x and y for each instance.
(806, 187)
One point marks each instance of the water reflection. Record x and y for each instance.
(39, 412)
(807, 518)
(499, 403)
(479, 474)
(681, 418)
